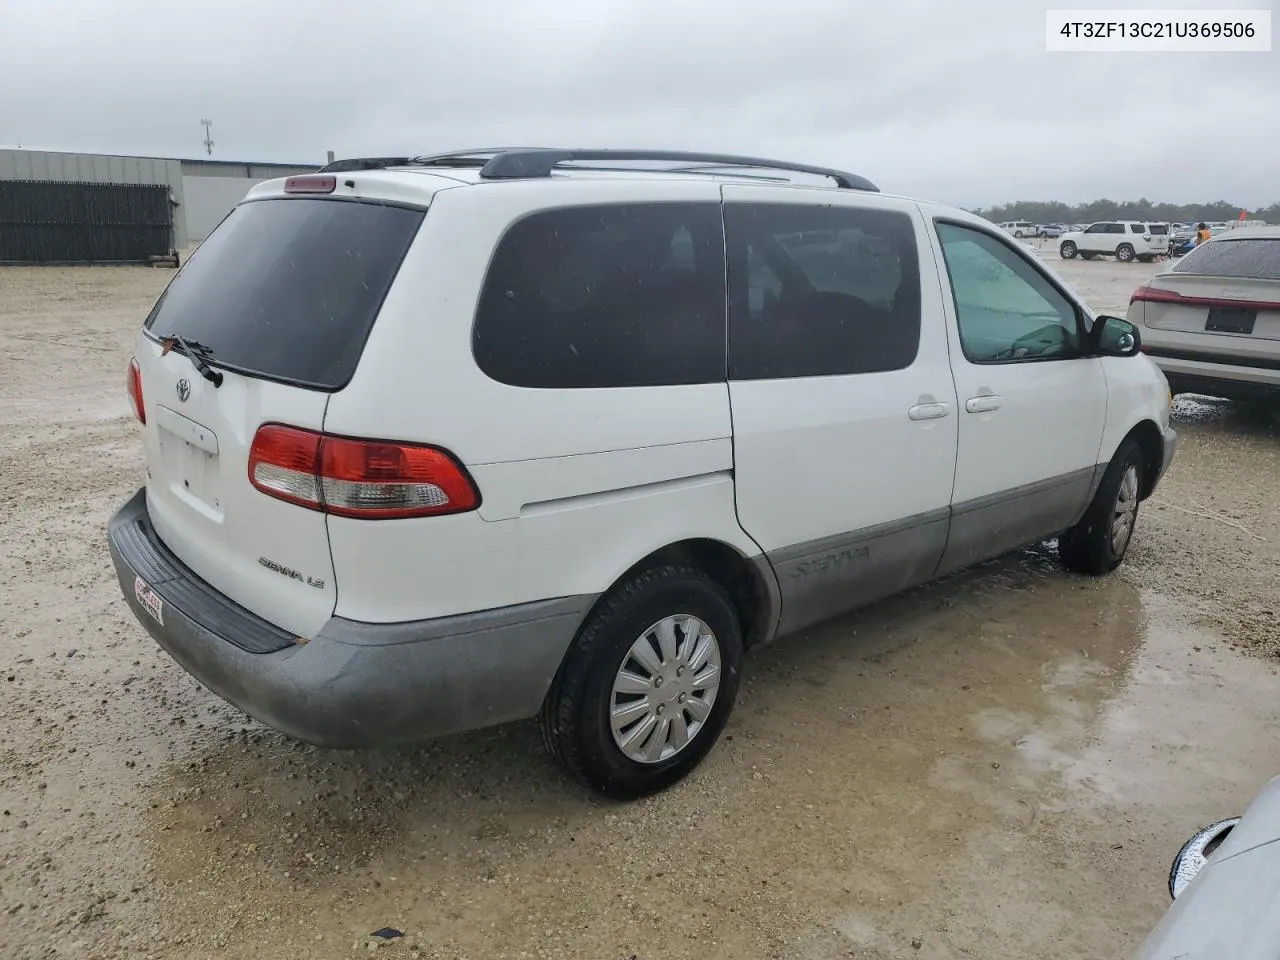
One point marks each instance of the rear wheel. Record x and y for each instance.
(1067, 250)
(1098, 543)
(648, 684)
(1124, 252)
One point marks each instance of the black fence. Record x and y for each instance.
(44, 221)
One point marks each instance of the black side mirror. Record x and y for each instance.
(1114, 337)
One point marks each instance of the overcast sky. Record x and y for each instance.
(954, 100)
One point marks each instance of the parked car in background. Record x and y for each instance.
(1225, 884)
(570, 442)
(1182, 241)
(1125, 240)
(1051, 230)
(1211, 321)
(1019, 228)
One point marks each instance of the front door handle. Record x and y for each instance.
(928, 411)
(984, 403)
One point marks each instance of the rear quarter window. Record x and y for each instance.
(289, 288)
(1258, 259)
(620, 295)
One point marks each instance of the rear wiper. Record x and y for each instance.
(196, 352)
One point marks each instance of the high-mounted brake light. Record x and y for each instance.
(311, 183)
(133, 386)
(367, 479)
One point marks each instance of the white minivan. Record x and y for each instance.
(563, 434)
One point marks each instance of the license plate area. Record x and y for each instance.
(192, 473)
(1230, 320)
(149, 600)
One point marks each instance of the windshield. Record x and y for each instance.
(289, 288)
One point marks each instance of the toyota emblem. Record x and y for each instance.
(184, 389)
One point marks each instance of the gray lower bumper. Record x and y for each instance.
(354, 684)
(1170, 447)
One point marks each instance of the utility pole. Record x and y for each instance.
(208, 135)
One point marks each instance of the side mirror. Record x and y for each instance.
(1114, 337)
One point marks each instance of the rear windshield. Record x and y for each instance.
(288, 289)
(1158, 229)
(1234, 258)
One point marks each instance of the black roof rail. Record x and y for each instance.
(364, 163)
(537, 163)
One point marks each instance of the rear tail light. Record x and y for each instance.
(311, 183)
(133, 385)
(1149, 294)
(368, 479)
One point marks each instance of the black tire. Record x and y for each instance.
(1124, 252)
(575, 717)
(1145, 258)
(1089, 546)
(1087, 256)
(1067, 250)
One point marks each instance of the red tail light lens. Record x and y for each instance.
(1149, 294)
(133, 386)
(311, 184)
(368, 479)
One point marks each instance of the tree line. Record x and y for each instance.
(1144, 209)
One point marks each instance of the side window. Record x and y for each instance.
(1115, 228)
(626, 295)
(1137, 228)
(820, 290)
(1008, 311)
(1096, 228)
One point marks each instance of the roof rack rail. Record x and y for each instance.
(536, 163)
(364, 163)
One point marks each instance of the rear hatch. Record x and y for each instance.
(1223, 297)
(1159, 233)
(277, 303)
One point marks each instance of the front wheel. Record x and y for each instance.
(648, 684)
(1098, 543)
(1067, 250)
(1124, 253)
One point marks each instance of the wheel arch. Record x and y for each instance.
(750, 583)
(1151, 442)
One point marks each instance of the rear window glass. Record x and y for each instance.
(626, 295)
(1234, 258)
(288, 289)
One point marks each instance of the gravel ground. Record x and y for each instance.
(999, 765)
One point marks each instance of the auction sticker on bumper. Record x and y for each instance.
(149, 599)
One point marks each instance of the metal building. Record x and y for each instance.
(202, 192)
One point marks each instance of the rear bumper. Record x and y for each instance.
(353, 684)
(1202, 372)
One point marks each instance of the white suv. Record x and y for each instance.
(1020, 228)
(1125, 240)
(564, 433)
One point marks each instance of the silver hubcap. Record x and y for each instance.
(665, 688)
(1126, 510)
(1123, 253)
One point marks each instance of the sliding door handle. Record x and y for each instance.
(928, 411)
(984, 403)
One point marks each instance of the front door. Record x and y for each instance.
(1032, 406)
(844, 410)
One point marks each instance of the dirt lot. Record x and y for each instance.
(1000, 765)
